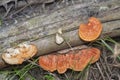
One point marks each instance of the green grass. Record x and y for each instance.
(104, 42)
(83, 74)
(49, 77)
(20, 73)
(0, 21)
(108, 46)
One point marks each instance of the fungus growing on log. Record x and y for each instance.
(48, 62)
(19, 54)
(83, 57)
(77, 60)
(91, 30)
(62, 63)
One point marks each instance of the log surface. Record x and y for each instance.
(41, 30)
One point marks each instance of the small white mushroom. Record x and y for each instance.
(59, 39)
(60, 30)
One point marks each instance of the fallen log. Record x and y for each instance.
(41, 30)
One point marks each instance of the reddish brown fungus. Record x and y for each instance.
(62, 63)
(77, 60)
(48, 62)
(86, 56)
(91, 30)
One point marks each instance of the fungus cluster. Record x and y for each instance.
(91, 30)
(19, 54)
(76, 61)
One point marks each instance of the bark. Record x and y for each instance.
(41, 30)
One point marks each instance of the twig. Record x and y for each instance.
(66, 76)
(33, 63)
(55, 76)
(107, 66)
(93, 75)
(68, 43)
(7, 11)
(104, 67)
(100, 71)
(20, 9)
(116, 65)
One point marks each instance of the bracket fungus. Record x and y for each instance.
(76, 60)
(48, 62)
(91, 30)
(62, 63)
(19, 54)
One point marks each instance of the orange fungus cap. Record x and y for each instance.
(91, 30)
